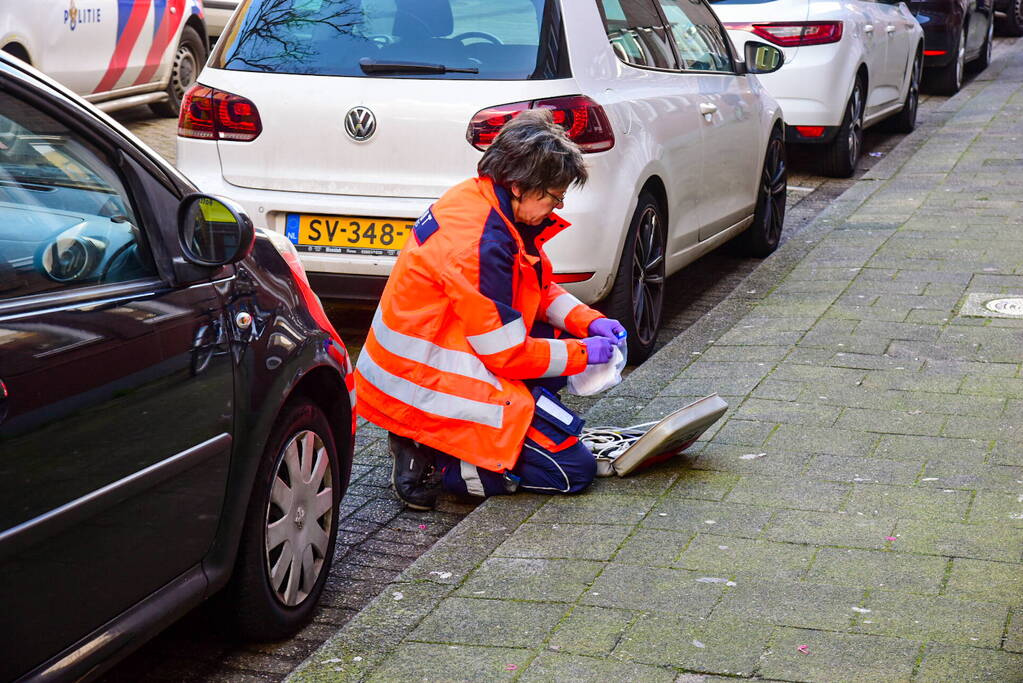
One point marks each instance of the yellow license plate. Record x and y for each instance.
(347, 234)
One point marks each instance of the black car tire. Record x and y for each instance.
(257, 609)
(637, 298)
(188, 61)
(844, 151)
(984, 58)
(1013, 23)
(905, 121)
(948, 80)
(764, 234)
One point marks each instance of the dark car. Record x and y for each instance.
(176, 412)
(1013, 10)
(956, 32)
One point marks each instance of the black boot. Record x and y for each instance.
(414, 475)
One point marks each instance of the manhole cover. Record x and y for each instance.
(992, 306)
(1012, 306)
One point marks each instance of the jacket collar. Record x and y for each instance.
(501, 197)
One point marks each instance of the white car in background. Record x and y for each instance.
(218, 13)
(339, 122)
(848, 64)
(114, 53)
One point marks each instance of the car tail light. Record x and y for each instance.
(793, 34)
(211, 114)
(564, 278)
(584, 120)
(933, 53)
(810, 131)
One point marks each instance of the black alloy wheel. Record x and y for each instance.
(764, 234)
(637, 298)
(949, 79)
(1013, 24)
(905, 121)
(290, 528)
(844, 150)
(188, 61)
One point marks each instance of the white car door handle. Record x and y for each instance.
(889, 28)
(869, 28)
(707, 108)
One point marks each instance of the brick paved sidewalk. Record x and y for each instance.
(858, 514)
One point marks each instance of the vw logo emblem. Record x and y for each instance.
(360, 124)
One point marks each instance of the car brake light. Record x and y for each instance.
(810, 131)
(584, 120)
(793, 34)
(211, 114)
(933, 53)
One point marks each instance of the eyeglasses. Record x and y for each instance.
(560, 201)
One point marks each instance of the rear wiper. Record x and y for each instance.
(371, 66)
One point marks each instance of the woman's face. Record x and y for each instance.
(533, 207)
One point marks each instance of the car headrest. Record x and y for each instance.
(422, 18)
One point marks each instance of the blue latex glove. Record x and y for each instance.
(598, 350)
(608, 328)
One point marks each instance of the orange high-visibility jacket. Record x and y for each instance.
(449, 346)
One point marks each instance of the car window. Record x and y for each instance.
(697, 35)
(507, 40)
(65, 218)
(637, 33)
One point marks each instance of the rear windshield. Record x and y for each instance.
(484, 39)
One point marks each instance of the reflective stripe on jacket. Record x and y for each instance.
(449, 346)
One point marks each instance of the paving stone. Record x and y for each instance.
(588, 508)
(916, 448)
(945, 620)
(513, 578)
(878, 569)
(734, 557)
(591, 630)
(909, 502)
(452, 663)
(1001, 508)
(744, 433)
(788, 412)
(979, 541)
(502, 623)
(835, 657)
(860, 470)
(986, 581)
(787, 603)
(574, 541)
(1014, 634)
(653, 547)
(552, 666)
(654, 589)
(720, 645)
(978, 477)
(887, 422)
(820, 528)
(822, 440)
(723, 518)
(969, 664)
(802, 494)
(745, 460)
(778, 390)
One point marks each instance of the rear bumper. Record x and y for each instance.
(344, 286)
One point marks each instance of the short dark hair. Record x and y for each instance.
(534, 152)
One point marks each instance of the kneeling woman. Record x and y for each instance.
(472, 338)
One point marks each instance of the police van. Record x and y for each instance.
(115, 53)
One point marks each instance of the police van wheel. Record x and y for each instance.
(188, 61)
(290, 528)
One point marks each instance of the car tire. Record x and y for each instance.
(268, 600)
(844, 151)
(905, 121)
(188, 61)
(948, 80)
(637, 298)
(984, 58)
(1013, 23)
(764, 234)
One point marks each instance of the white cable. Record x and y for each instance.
(611, 442)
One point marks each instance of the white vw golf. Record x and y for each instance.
(848, 64)
(338, 122)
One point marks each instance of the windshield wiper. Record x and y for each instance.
(371, 66)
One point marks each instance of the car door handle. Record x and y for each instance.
(706, 108)
(869, 28)
(889, 28)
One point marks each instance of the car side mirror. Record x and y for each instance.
(762, 58)
(214, 231)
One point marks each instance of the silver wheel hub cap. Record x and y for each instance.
(299, 517)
